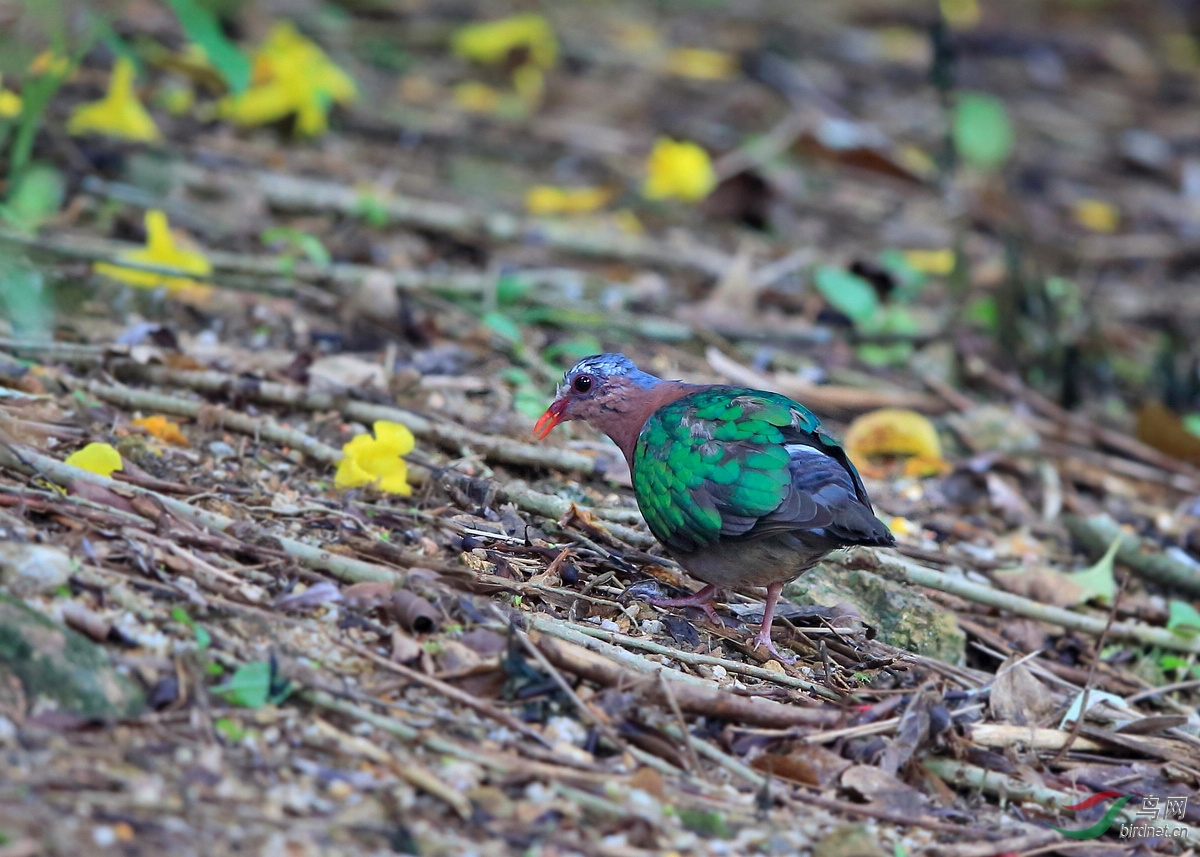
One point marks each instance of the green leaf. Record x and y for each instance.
(302, 242)
(983, 135)
(371, 209)
(704, 822)
(36, 195)
(1097, 582)
(848, 293)
(983, 312)
(1094, 698)
(503, 325)
(23, 300)
(511, 288)
(201, 27)
(231, 730)
(529, 401)
(568, 351)
(1183, 618)
(909, 281)
(249, 686)
(1191, 422)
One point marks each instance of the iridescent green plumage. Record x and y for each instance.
(743, 487)
(717, 462)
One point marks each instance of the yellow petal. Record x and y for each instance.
(939, 262)
(350, 475)
(548, 199)
(10, 103)
(118, 113)
(491, 42)
(1096, 215)
(961, 14)
(476, 97)
(377, 460)
(702, 64)
(395, 480)
(291, 76)
(48, 62)
(395, 436)
(894, 432)
(163, 429)
(99, 458)
(163, 251)
(530, 83)
(678, 170)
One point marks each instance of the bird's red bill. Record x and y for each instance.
(552, 417)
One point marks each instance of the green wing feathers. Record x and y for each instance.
(715, 462)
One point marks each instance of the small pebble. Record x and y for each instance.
(104, 836)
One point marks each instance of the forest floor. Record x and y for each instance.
(263, 661)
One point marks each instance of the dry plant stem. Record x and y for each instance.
(239, 422)
(292, 193)
(1004, 787)
(545, 504)
(578, 630)
(1012, 845)
(1102, 436)
(64, 352)
(449, 691)
(711, 701)
(892, 565)
(342, 567)
(1097, 532)
(1003, 735)
(405, 768)
(823, 397)
(449, 435)
(582, 707)
(504, 764)
(1077, 724)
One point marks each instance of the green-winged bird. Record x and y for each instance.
(743, 487)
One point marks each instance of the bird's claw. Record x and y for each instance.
(702, 599)
(763, 640)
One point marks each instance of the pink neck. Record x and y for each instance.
(622, 421)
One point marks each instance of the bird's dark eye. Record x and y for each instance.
(582, 383)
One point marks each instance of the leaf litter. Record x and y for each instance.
(284, 652)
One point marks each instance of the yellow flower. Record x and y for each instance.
(163, 429)
(118, 113)
(678, 170)
(491, 42)
(160, 251)
(292, 75)
(10, 103)
(548, 199)
(702, 64)
(48, 62)
(895, 432)
(99, 458)
(476, 97)
(961, 14)
(1096, 215)
(938, 262)
(377, 460)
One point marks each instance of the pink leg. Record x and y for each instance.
(702, 599)
(764, 631)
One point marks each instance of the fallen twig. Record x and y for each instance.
(1097, 533)
(895, 566)
(823, 397)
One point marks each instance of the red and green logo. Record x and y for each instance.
(1100, 827)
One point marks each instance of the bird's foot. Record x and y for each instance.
(702, 599)
(763, 640)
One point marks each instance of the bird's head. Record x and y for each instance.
(596, 389)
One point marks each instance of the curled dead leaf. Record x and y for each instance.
(895, 433)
